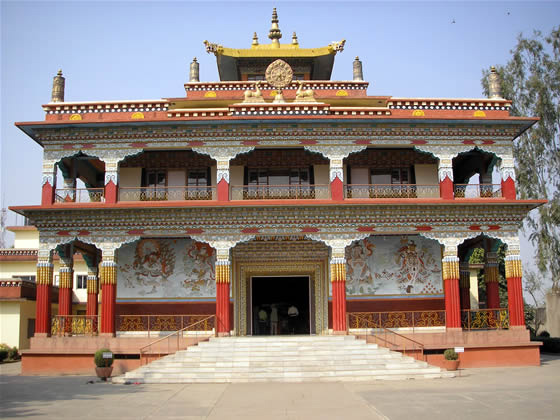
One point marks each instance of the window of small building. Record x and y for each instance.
(55, 280)
(25, 278)
(385, 176)
(279, 176)
(81, 282)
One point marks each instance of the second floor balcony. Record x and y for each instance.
(273, 174)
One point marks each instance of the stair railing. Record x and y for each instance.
(177, 338)
(389, 338)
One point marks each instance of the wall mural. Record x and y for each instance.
(166, 268)
(394, 265)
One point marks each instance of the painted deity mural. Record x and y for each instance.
(394, 265)
(166, 268)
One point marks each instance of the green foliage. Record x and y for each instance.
(4, 350)
(531, 79)
(100, 361)
(477, 256)
(450, 354)
(7, 352)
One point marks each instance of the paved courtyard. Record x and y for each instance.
(497, 393)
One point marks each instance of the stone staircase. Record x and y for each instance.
(282, 359)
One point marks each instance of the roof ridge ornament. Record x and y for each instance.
(57, 93)
(494, 84)
(275, 33)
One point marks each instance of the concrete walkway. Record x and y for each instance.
(497, 393)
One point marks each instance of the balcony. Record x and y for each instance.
(175, 193)
(280, 192)
(477, 190)
(391, 191)
(80, 195)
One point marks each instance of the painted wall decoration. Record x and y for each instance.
(394, 265)
(166, 268)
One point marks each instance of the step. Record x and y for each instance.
(282, 359)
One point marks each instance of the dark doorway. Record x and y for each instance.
(288, 297)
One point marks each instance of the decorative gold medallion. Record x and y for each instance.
(279, 74)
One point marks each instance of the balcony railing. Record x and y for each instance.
(80, 195)
(66, 325)
(391, 191)
(154, 324)
(280, 192)
(167, 193)
(485, 319)
(401, 319)
(477, 190)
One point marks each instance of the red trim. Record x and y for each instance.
(276, 203)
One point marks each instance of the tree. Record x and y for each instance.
(531, 79)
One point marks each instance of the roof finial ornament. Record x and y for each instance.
(194, 74)
(255, 39)
(294, 39)
(494, 85)
(57, 93)
(275, 34)
(357, 70)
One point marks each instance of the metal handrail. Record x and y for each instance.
(79, 195)
(167, 193)
(70, 325)
(178, 333)
(417, 347)
(286, 192)
(401, 319)
(391, 190)
(485, 319)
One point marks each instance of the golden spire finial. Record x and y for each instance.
(294, 39)
(57, 93)
(275, 34)
(255, 39)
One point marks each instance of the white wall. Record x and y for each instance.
(9, 323)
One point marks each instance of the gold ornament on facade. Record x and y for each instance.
(279, 74)
(450, 270)
(65, 279)
(513, 268)
(108, 274)
(304, 95)
(338, 272)
(254, 96)
(45, 274)
(222, 273)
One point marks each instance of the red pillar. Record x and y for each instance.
(508, 189)
(451, 290)
(111, 192)
(108, 296)
(47, 194)
(43, 302)
(515, 291)
(491, 279)
(338, 280)
(92, 298)
(223, 326)
(446, 189)
(223, 190)
(337, 189)
(465, 286)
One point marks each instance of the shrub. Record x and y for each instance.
(544, 334)
(3, 354)
(100, 361)
(450, 354)
(13, 353)
(550, 344)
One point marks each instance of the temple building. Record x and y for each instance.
(273, 188)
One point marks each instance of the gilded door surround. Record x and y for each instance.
(316, 270)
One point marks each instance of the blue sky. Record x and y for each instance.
(142, 49)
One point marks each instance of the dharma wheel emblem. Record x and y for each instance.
(279, 74)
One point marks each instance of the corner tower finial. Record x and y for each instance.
(275, 34)
(494, 85)
(57, 93)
